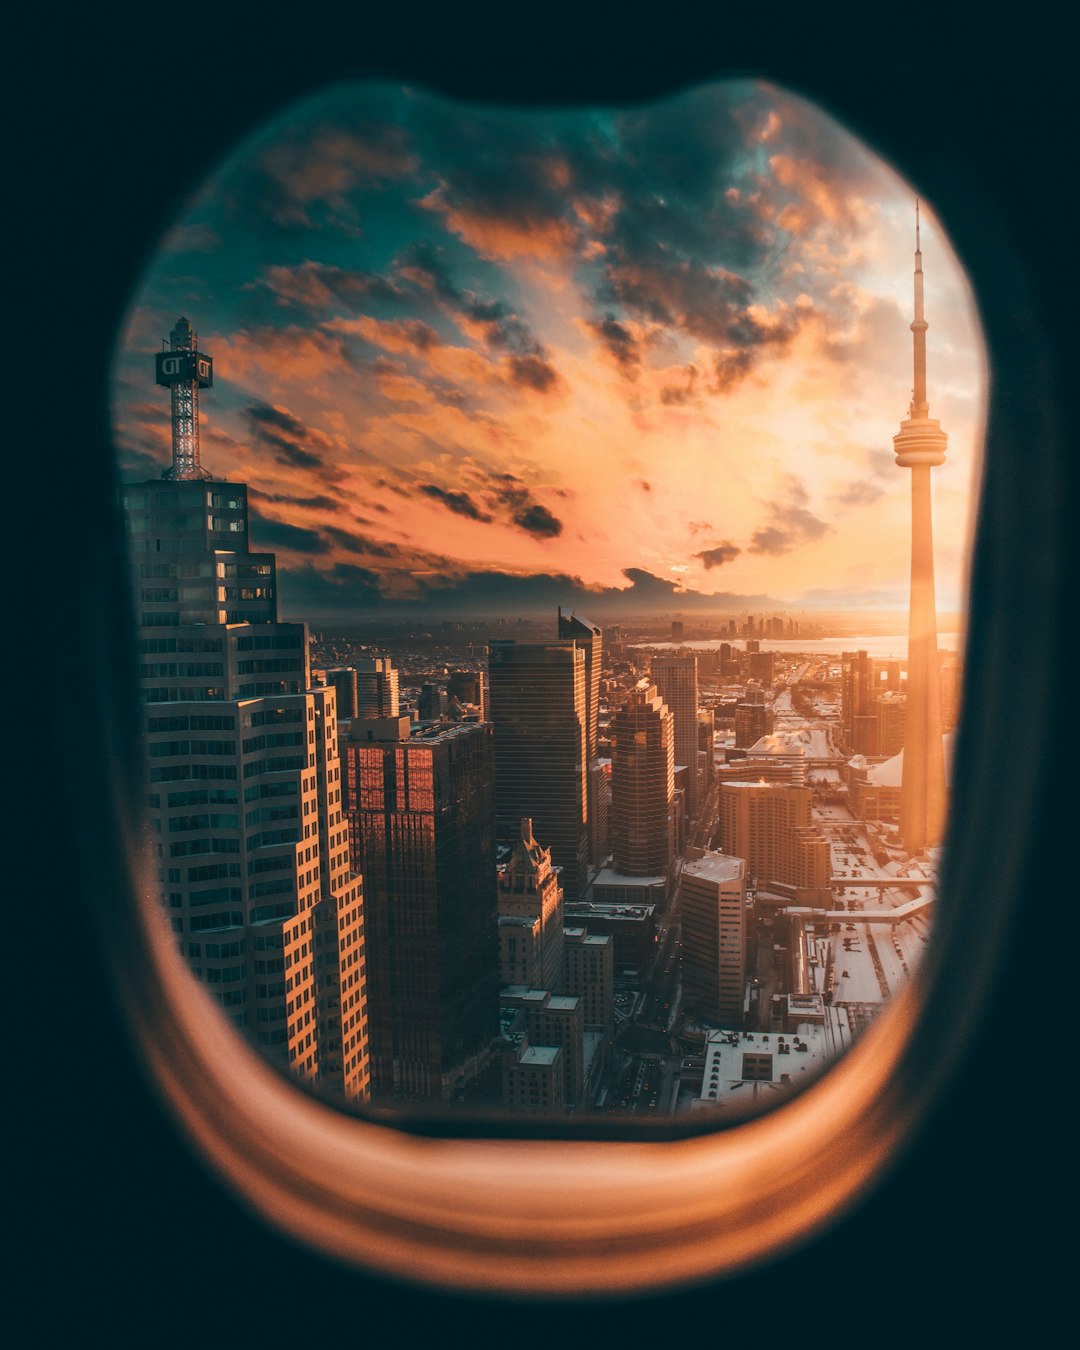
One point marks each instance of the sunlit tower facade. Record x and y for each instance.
(184, 370)
(919, 445)
(642, 784)
(589, 636)
(537, 707)
(244, 783)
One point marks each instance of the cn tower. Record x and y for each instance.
(919, 445)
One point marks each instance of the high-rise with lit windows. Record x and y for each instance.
(244, 777)
(538, 708)
(422, 813)
(642, 784)
(676, 680)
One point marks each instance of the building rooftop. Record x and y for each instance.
(795, 1057)
(716, 867)
(607, 876)
(539, 1055)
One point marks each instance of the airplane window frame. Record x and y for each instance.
(580, 1225)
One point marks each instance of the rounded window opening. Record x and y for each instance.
(549, 651)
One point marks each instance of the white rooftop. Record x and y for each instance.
(795, 1057)
(540, 1055)
(809, 741)
(716, 867)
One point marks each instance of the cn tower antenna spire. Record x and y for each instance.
(919, 406)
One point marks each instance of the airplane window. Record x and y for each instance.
(549, 652)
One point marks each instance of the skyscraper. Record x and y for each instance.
(713, 889)
(244, 776)
(376, 688)
(919, 445)
(422, 814)
(642, 784)
(538, 708)
(769, 826)
(676, 681)
(857, 716)
(590, 636)
(530, 917)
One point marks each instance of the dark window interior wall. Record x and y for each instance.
(120, 1222)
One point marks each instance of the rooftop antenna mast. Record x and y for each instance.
(184, 370)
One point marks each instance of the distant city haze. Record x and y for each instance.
(888, 648)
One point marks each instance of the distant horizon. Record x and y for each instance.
(878, 622)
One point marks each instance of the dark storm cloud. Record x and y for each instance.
(449, 591)
(306, 591)
(267, 533)
(789, 523)
(316, 286)
(359, 543)
(263, 415)
(533, 372)
(458, 502)
(315, 503)
(538, 520)
(525, 511)
(718, 556)
(648, 586)
(501, 327)
(292, 442)
(619, 343)
(647, 196)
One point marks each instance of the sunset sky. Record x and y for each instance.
(491, 359)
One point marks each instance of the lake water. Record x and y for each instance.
(888, 648)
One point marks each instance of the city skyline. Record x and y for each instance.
(632, 359)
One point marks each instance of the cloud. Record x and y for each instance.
(525, 512)
(862, 493)
(718, 556)
(489, 321)
(538, 520)
(458, 502)
(318, 502)
(268, 534)
(620, 343)
(292, 442)
(533, 372)
(442, 587)
(316, 287)
(672, 395)
(360, 544)
(789, 523)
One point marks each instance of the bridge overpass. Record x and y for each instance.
(908, 910)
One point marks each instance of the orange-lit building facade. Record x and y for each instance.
(422, 818)
(769, 826)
